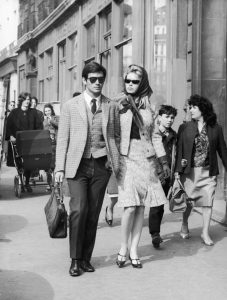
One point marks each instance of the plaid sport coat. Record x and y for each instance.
(72, 134)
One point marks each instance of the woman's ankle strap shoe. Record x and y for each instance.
(120, 261)
(136, 263)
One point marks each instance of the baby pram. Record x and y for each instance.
(31, 151)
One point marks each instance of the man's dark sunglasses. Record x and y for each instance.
(94, 79)
(132, 81)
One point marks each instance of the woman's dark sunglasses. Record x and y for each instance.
(94, 79)
(132, 81)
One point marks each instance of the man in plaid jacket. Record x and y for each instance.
(87, 152)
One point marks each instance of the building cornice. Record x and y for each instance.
(45, 24)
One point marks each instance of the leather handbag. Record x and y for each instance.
(178, 199)
(56, 214)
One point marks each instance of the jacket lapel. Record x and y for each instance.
(81, 106)
(105, 115)
(192, 130)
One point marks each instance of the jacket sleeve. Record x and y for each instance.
(158, 144)
(10, 125)
(54, 122)
(179, 149)
(63, 138)
(221, 147)
(117, 126)
(38, 120)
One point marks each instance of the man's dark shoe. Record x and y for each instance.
(156, 240)
(75, 269)
(86, 266)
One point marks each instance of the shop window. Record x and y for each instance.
(61, 70)
(73, 63)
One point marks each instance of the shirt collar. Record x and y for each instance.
(88, 99)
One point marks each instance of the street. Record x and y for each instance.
(35, 267)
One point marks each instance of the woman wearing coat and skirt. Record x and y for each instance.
(199, 141)
(138, 183)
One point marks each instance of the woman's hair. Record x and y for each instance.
(206, 108)
(36, 100)
(23, 97)
(144, 88)
(48, 105)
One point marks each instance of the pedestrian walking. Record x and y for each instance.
(87, 152)
(199, 141)
(21, 118)
(138, 182)
(166, 116)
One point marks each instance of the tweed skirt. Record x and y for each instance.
(138, 182)
(200, 187)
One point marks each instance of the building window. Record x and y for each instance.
(49, 75)
(73, 63)
(90, 49)
(160, 42)
(61, 70)
(41, 77)
(105, 44)
(125, 44)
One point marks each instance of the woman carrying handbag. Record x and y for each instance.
(196, 163)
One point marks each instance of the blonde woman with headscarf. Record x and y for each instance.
(138, 182)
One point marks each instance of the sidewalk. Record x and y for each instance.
(35, 267)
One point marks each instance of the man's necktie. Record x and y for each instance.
(93, 105)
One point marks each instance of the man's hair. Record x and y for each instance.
(93, 67)
(168, 110)
(36, 100)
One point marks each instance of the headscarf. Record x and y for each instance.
(133, 101)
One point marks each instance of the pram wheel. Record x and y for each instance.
(17, 186)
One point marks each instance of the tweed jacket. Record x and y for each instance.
(73, 130)
(185, 143)
(152, 140)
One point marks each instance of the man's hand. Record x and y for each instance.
(59, 176)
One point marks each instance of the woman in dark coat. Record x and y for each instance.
(199, 141)
(21, 118)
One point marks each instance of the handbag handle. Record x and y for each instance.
(181, 185)
(59, 191)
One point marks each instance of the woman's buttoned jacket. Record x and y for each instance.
(185, 143)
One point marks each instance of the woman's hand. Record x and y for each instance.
(176, 175)
(12, 139)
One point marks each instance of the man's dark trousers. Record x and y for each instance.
(87, 190)
(156, 213)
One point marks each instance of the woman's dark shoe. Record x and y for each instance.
(28, 188)
(108, 221)
(136, 263)
(120, 261)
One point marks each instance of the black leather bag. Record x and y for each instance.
(178, 199)
(56, 214)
